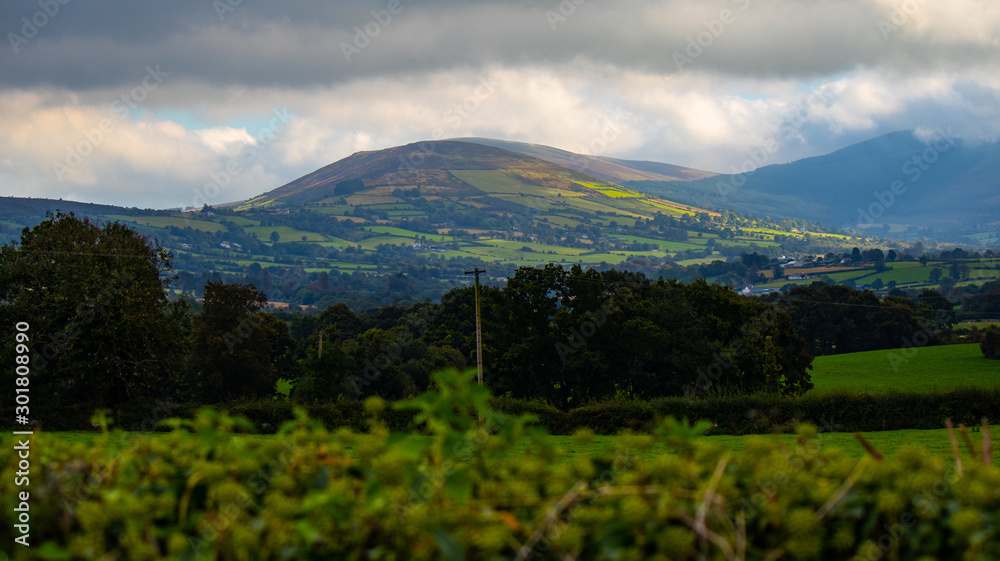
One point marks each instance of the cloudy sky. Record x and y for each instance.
(163, 104)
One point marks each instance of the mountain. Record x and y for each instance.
(608, 169)
(473, 175)
(407, 222)
(896, 179)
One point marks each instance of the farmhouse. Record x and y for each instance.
(798, 276)
(751, 291)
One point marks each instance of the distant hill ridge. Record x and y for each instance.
(898, 179)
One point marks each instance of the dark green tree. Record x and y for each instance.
(991, 343)
(754, 259)
(236, 349)
(325, 377)
(936, 307)
(102, 331)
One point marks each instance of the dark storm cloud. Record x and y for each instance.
(311, 43)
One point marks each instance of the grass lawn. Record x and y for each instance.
(915, 370)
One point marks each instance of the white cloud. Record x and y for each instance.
(807, 77)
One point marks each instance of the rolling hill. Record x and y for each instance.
(492, 179)
(405, 222)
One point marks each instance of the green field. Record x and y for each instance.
(167, 221)
(913, 370)
(240, 220)
(492, 181)
(287, 234)
(906, 274)
(537, 247)
(334, 242)
(663, 245)
(408, 234)
(372, 243)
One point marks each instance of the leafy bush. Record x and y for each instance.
(471, 489)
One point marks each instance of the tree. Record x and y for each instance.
(325, 377)
(936, 307)
(891, 256)
(855, 255)
(102, 331)
(275, 236)
(754, 260)
(877, 284)
(936, 275)
(991, 343)
(236, 348)
(778, 272)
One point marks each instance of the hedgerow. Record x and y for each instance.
(469, 487)
(843, 411)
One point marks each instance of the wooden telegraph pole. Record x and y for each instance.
(479, 329)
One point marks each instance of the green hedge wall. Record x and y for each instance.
(736, 415)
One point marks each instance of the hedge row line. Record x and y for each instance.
(736, 415)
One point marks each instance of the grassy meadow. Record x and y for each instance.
(921, 369)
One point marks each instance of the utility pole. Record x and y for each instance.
(479, 329)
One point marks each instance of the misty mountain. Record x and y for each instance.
(897, 179)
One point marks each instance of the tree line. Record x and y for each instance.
(105, 335)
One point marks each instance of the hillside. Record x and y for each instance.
(406, 222)
(471, 174)
(942, 185)
(608, 169)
